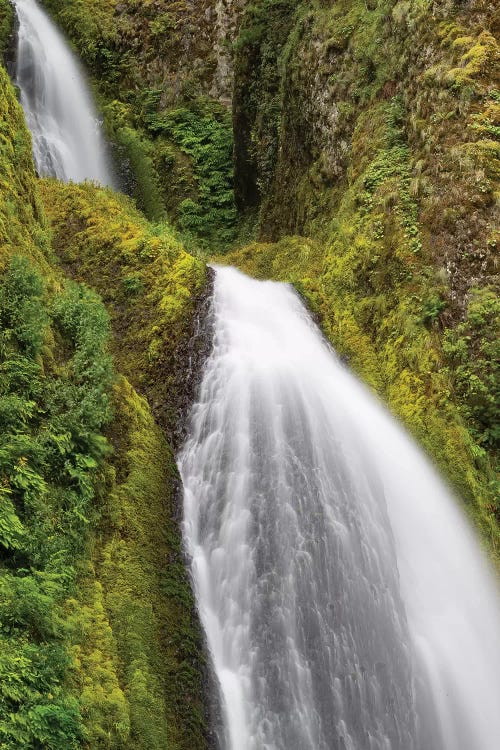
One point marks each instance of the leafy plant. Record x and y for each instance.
(473, 351)
(53, 408)
(204, 133)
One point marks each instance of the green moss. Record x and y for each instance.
(6, 22)
(22, 223)
(481, 57)
(99, 641)
(95, 666)
(102, 239)
(136, 644)
(290, 258)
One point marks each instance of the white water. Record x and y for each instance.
(346, 602)
(67, 138)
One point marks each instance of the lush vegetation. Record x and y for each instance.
(366, 136)
(55, 377)
(204, 134)
(99, 645)
(146, 278)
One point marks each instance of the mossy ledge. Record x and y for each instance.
(150, 284)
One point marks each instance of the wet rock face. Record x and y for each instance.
(289, 113)
(191, 356)
(180, 43)
(228, 18)
(191, 44)
(258, 110)
(316, 127)
(183, 47)
(292, 108)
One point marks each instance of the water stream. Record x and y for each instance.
(67, 137)
(346, 601)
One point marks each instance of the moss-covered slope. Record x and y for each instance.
(149, 283)
(99, 642)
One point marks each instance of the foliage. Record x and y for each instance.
(473, 351)
(204, 133)
(6, 19)
(114, 249)
(35, 709)
(99, 646)
(55, 376)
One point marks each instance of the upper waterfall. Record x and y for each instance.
(346, 601)
(67, 139)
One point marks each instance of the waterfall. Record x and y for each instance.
(345, 599)
(67, 138)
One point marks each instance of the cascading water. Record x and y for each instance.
(346, 602)
(67, 138)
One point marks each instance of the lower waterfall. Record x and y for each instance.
(345, 599)
(67, 139)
